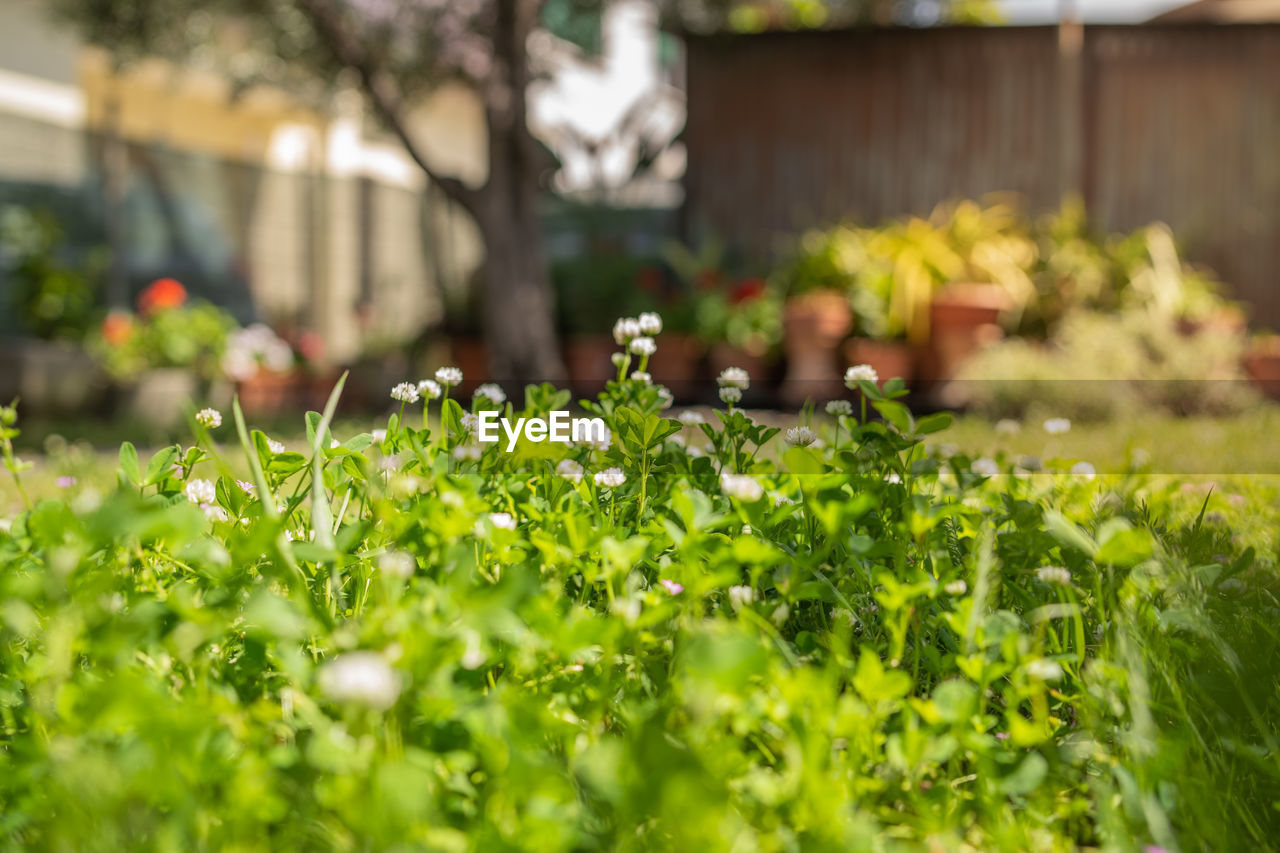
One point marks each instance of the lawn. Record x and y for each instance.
(708, 635)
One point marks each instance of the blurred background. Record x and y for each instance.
(1010, 203)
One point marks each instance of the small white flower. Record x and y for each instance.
(448, 376)
(734, 377)
(378, 436)
(200, 492)
(1044, 670)
(569, 470)
(247, 488)
(1084, 469)
(334, 444)
(860, 373)
(610, 478)
(1054, 575)
(800, 436)
(361, 678)
(780, 499)
(836, 408)
(665, 400)
(1057, 426)
(677, 440)
(741, 596)
(405, 392)
(893, 478)
(641, 376)
(502, 520)
(741, 486)
(625, 329)
(467, 453)
(729, 394)
(275, 446)
(643, 346)
(650, 323)
(690, 418)
(429, 389)
(209, 418)
(397, 564)
(602, 442)
(985, 466)
(390, 462)
(491, 391)
(213, 512)
(1008, 426)
(618, 358)
(955, 587)
(469, 422)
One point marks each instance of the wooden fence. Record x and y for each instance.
(1179, 123)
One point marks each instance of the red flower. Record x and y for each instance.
(160, 295)
(117, 328)
(746, 290)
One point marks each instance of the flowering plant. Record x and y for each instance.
(168, 331)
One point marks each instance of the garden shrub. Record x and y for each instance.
(690, 635)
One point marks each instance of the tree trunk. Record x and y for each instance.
(519, 304)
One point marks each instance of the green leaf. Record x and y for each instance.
(129, 463)
(896, 414)
(1125, 548)
(159, 466)
(933, 423)
(321, 512)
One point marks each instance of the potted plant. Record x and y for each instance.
(161, 355)
(1262, 364)
(262, 364)
(740, 322)
(51, 299)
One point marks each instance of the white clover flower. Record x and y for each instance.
(378, 435)
(503, 520)
(1054, 575)
(275, 446)
(247, 487)
(1084, 469)
(429, 389)
(213, 512)
(734, 377)
(390, 462)
(665, 400)
(601, 441)
(618, 358)
(1057, 426)
(570, 470)
(799, 436)
(837, 408)
(985, 466)
(643, 346)
(690, 418)
(779, 499)
(1044, 670)
(1008, 426)
(494, 393)
(641, 376)
(200, 492)
(893, 478)
(677, 439)
(650, 323)
(405, 392)
(397, 564)
(610, 478)
(448, 376)
(625, 329)
(740, 596)
(360, 678)
(467, 453)
(209, 418)
(741, 486)
(955, 587)
(729, 394)
(469, 422)
(860, 373)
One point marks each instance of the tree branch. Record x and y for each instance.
(383, 94)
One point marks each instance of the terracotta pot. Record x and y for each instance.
(1262, 366)
(586, 357)
(471, 356)
(815, 324)
(757, 365)
(889, 358)
(676, 363)
(963, 319)
(159, 397)
(268, 394)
